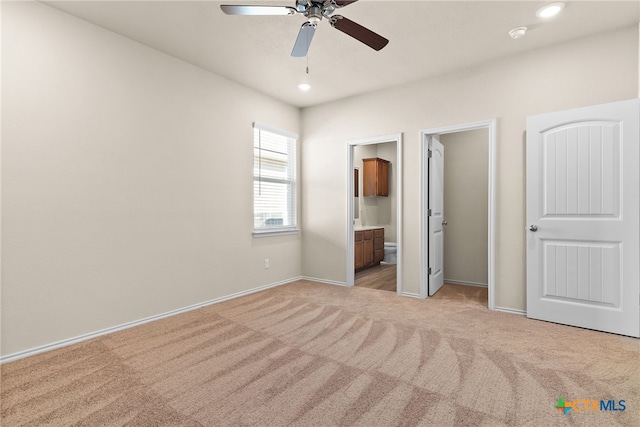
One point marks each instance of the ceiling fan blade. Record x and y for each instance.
(358, 32)
(236, 9)
(301, 47)
(343, 3)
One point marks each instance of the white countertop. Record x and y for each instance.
(367, 227)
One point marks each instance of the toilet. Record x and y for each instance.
(390, 253)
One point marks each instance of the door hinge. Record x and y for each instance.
(429, 270)
(430, 155)
(428, 212)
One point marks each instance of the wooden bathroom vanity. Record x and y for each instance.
(369, 247)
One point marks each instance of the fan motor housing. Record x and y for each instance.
(315, 10)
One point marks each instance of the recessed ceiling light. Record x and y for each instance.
(550, 10)
(304, 86)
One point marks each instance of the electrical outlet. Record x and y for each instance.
(266, 263)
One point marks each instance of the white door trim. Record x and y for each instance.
(397, 138)
(490, 125)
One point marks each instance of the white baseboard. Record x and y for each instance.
(106, 331)
(410, 295)
(91, 335)
(460, 282)
(326, 282)
(511, 311)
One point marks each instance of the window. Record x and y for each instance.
(274, 181)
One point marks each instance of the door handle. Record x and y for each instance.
(444, 223)
(533, 227)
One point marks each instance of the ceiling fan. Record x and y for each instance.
(314, 10)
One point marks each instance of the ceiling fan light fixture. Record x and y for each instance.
(550, 10)
(314, 14)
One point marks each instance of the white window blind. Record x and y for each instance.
(274, 180)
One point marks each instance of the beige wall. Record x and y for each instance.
(127, 181)
(366, 205)
(588, 71)
(466, 171)
(387, 206)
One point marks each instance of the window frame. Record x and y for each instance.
(292, 183)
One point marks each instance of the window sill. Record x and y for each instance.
(276, 232)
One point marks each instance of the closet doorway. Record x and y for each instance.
(465, 258)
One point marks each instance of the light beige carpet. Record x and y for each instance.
(308, 354)
(464, 293)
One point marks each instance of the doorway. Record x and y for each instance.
(374, 219)
(466, 253)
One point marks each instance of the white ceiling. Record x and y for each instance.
(427, 38)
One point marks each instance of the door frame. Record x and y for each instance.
(351, 144)
(425, 136)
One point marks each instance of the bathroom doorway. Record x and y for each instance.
(374, 209)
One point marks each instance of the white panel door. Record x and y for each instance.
(436, 205)
(583, 217)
